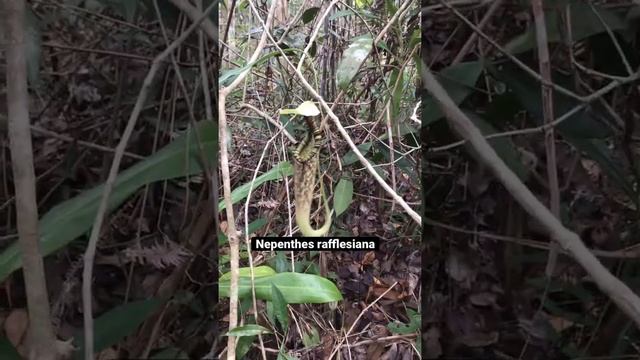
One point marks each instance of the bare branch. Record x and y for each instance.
(618, 291)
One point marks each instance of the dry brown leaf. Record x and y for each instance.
(484, 298)
(478, 339)
(16, 325)
(268, 204)
(108, 354)
(391, 354)
(379, 287)
(375, 350)
(368, 258)
(560, 324)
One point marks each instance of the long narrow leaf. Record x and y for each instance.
(66, 221)
(277, 172)
(296, 288)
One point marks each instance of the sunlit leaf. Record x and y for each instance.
(352, 59)
(248, 330)
(296, 288)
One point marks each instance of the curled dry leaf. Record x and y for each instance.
(559, 324)
(479, 339)
(484, 298)
(368, 258)
(16, 325)
(379, 287)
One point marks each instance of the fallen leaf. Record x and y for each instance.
(484, 298)
(478, 339)
(368, 258)
(16, 325)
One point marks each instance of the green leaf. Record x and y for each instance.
(33, 37)
(258, 271)
(503, 146)
(583, 129)
(72, 218)
(296, 288)
(129, 9)
(458, 80)
(584, 23)
(280, 262)
(116, 324)
(582, 124)
(248, 330)
(279, 171)
(341, 13)
(352, 59)
(310, 14)
(7, 351)
(243, 346)
(228, 76)
(343, 196)
(310, 338)
(284, 356)
(414, 324)
(360, 4)
(396, 82)
(279, 307)
(350, 157)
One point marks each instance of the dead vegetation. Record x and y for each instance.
(487, 249)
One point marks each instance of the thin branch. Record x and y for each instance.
(87, 273)
(544, 64)
(196, 16)
(41, 338)
(630, 252)
(495, 5)
(526, 68)
(232, 234)
(618, 291)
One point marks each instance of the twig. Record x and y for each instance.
(526, 68)
(91, 145)
(273, 122)
(619, 292)
(232, 234)
(42, 341)
(196, 16)
(358, 319)
(485, 19)
(544, 64)
(596, 95)
(87, 273)
(614, 40)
